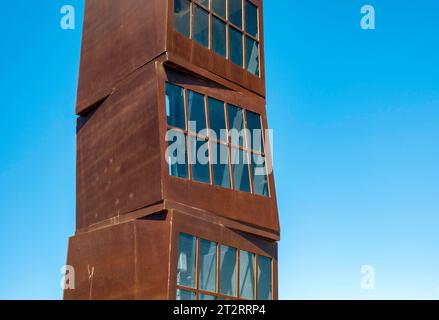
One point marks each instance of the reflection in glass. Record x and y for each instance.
(252, 56)
(196, 112)
(220, 165)
(219, 37)
(255, 130)
(236, 125)
(235, 46)
(175, 106)
(251, 19)
(177, 154)
(264, 278)
(235, 12)
(240, 170)
(201, 26)
(199, 155)
(185, 295)
(182, 17)
(219, 7)
(246, 275)
(186, 260)
(259, 175)
(217, 119)
(207, 265)
(228, 271)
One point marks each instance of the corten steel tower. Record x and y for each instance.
(147, 227)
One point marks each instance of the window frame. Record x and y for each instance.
(217, 294)
(229, 24)
(246, 148)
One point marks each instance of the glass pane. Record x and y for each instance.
(219, 37)
(228, 271)
(182, 17)
(201, 26)
(185, 295)
(177, 154)
(251, 19)
(259, 174)
(246, 275)
(240, 170)
(206, 297)
(207, 265)
(175, 106)
(200, 159)
(264, 278)
(186, 260)
(255, 131)
(252, 56)
(219, 7)
(235, 46)
(235, 12)
(220, 165)
(217, 119)
(196, 112)
(236, 125)
(203, 2)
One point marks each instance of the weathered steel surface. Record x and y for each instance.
(129, 210)
(120, 36)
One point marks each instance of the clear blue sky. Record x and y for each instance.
(355, 116)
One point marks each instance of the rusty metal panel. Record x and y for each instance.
(118, 152)
(126, 261)
(119, 37)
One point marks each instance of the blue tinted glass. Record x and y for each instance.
(252, 56)
(206, 297)
(259, 175)
(219, 7)
(217, 119)
(201, 26)
(185, 295)
(177, 154)
(199, 154)
(246, 275)
(251, 19)
(182, 17)
(236, 125)
(207, 265)
(228, 271)
(196, 112)
(219, 37)
(203, 2)
(235, 12)
(175, 106)
(186, 260)
(240, 170)
(220, 165)
(264, 278)
(235, 46)
(255, 131)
